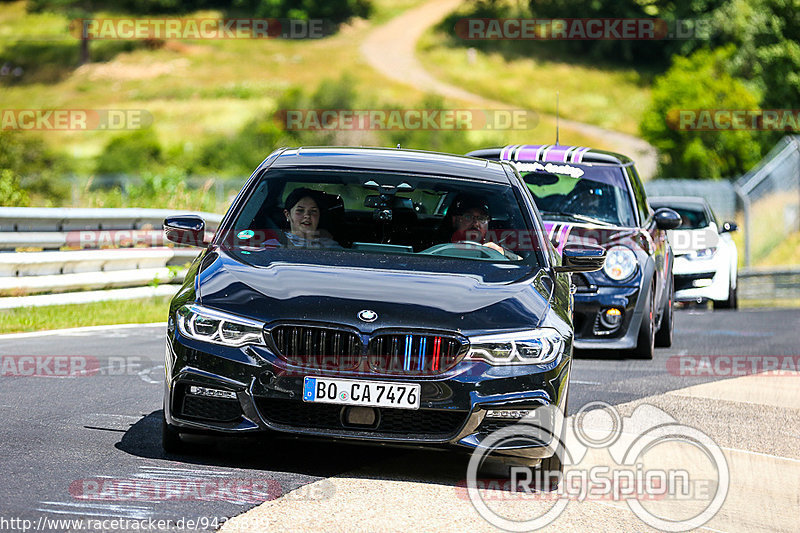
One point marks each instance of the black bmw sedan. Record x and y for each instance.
(369, 294)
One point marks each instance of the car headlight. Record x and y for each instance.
(521, 348)
(705, 253)
(209, 325)
(620, 263)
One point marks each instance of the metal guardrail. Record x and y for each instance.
(54, 240)
(89, 264)
(83, 297)
(769, 284)
(55, 228)
(60, 219)
(22, 264)
(53, 272)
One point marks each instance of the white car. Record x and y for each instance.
(706, 259)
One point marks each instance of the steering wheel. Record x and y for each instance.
(448, 247)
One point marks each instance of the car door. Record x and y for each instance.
(660, 251)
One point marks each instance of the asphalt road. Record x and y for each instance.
(81, 447)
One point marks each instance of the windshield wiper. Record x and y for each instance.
(582, 218)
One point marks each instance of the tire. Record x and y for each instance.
(664, 333)
(552, 465)
(645, 344)
(731, 303)
(171, 438)
(499, 466)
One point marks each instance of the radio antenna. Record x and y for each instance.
(556, 118)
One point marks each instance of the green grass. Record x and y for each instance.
(385, 10)
(769, 245)
(775, 304)
(192, 89)
(138, 311)
(785, 253)
(197, 89)
(613, 98)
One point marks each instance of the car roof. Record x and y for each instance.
(555, 153)
(391, 160)
(688, 201)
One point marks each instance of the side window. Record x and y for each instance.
(638, 193)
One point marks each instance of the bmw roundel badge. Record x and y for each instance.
(368, 315)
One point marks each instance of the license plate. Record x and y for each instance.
(361, 392)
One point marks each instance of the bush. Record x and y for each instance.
(444, 140)
(11, 193)
(130, 153)
(239, 154)
(39, 170)
(335, 11)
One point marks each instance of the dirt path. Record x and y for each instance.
(391, 50)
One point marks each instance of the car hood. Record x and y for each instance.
(562, 233)
(402, 292)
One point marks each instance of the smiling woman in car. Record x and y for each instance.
(302, 213)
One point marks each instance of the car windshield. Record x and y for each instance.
(444, 219)
(583, 193)
(691, 217)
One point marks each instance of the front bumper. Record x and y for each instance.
(590, 333)
(268, 398)
(711, 274)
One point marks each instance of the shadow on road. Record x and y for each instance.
(612, 355)
(305, 461)
(306, 457)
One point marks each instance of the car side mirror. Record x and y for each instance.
(185, 229)
(729, 226)
(666, 218)
(581, 258)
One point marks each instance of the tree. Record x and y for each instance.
(701, 82)
(766, 36)
(74, 10)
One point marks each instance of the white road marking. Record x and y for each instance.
(156, 472)
(761, 454)
(79, 331)
(145, 374)
(97, 509)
